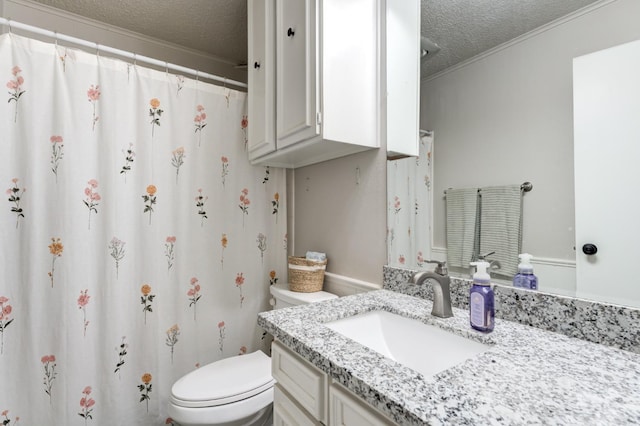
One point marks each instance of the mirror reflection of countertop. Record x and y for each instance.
(528, 376)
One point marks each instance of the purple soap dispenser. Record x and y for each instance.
(525, 278)
(481, 300)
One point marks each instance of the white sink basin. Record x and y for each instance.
(424, 348)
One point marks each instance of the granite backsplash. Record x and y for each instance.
(597, 322)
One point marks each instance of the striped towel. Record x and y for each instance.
(462, 232)
(501, 226)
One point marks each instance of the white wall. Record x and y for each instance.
(506, 117)
(51, 19)
(340, 209)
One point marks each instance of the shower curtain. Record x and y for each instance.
(137, 243)
(409, 207)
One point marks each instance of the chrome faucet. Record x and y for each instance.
(441, 292)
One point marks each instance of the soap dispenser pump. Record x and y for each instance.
(481, 299)
(525, 277)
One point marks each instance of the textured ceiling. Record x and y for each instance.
(217, 27)
(465, 28)
(462, 28)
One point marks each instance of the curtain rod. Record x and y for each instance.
(163, 64)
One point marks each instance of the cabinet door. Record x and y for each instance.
(297, 79)
(287, 413)
(298, 377)
(348, 410)
(403, 77)
(261, 76)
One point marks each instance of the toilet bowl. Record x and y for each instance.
(237, 390)
(232, 391)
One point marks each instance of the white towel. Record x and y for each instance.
(316, 256)
(501, 226)
(462, 232)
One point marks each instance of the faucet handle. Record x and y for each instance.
(441, 266)
(484, 256)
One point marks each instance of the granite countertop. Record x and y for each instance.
(528, 376)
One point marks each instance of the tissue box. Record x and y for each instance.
(306, 276)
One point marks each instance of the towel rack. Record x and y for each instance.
(525, 187)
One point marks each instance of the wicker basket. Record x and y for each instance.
(305, 276)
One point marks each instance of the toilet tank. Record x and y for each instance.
(282, 297)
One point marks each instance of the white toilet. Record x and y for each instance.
(236, 390)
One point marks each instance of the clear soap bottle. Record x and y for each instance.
(481, 300)
(525, 277)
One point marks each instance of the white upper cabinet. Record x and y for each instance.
(296, 79)
(262, 78)
(326, 96)
(403, 81)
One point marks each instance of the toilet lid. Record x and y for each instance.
(225, 381)
(282, 292)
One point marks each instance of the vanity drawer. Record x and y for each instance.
(287, 413)
(300, 378)
(348, 410)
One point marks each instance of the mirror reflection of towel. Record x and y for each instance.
(501, 226)
(462, 232)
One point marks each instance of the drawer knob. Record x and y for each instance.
(256, 65)
(290, 32)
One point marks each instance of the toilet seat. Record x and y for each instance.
(224, 382)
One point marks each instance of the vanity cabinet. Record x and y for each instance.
(345, 408)
(298, 377)
(318, 79)
(305, 395)
(286, 412)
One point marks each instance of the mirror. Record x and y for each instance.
(506, 117)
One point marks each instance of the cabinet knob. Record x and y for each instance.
(589, 249)
(256, 65)
(290, 32)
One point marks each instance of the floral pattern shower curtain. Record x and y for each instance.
(137, 243)
(409, 207)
